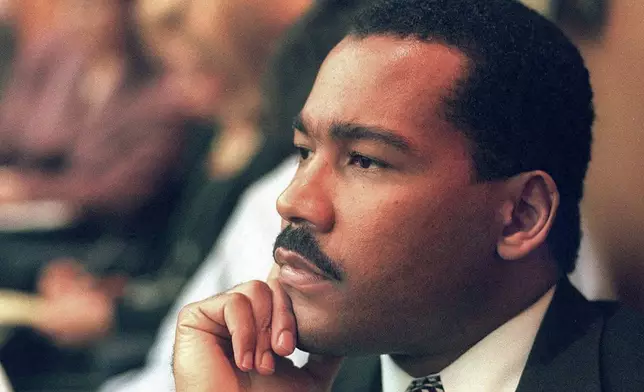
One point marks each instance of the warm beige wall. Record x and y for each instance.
(614, 202)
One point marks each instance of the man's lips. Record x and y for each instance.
(298, 264)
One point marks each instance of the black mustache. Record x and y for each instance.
(302, 241)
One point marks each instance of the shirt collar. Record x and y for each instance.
(493, 364)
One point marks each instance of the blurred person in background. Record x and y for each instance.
(585, 22)
(92, 162)
(613, 48)
(87, 134)
(216, 69)
(610, 259)
(7, 39)
(84, 120)
(32, 18)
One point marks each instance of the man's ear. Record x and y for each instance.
(527, 214)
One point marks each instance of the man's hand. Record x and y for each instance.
(76, 308)
(236, 341)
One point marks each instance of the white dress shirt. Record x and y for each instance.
(494, 364)
(4, 382)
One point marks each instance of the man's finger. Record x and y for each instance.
(199, 346)
(222, 320)
(239, 320)
(284, 326)
(260, 297)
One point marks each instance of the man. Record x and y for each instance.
(461, 128)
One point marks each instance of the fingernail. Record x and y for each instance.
(286, 341)
(247, 361)
(267, 362)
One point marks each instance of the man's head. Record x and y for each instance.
(444, 147)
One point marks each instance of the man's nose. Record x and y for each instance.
(307, 201)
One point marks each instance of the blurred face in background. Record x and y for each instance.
(213, 49)
(163, 29)
(5, 9)
(95, 24)
(238, 36)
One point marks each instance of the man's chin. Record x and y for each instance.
(322, 345)
(323, 350)
(322, 332)
(327, 344)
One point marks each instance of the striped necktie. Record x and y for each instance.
(426, 384)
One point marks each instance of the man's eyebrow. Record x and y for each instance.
(349, 131)
(298, 124)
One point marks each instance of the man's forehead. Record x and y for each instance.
(384, 81)
(392, 53)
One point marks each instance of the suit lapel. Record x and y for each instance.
(565, 355)
(359, 374)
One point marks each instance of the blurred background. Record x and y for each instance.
(129, 129)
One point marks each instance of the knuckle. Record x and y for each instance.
(259, 295)
(185, 314)
(188, 312)
(244, 331)
(256, 288)
(194, 310)
(264, 324)
(237, 300)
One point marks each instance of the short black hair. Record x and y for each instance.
(525, 101)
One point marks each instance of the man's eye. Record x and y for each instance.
(365, 162)
(304, 153)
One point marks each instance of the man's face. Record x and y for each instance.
(386, 191)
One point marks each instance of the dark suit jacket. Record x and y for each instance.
(581, 346)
